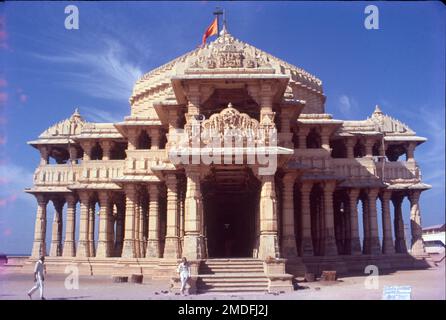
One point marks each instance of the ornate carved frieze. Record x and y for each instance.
(230, 124)
(227, 52)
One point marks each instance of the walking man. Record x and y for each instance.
(184, 271)
(38, 278)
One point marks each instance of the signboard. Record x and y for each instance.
(397, 292)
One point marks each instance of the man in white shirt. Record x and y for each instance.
(38, 278)
(184, 271)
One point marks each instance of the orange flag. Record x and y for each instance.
(211, 30)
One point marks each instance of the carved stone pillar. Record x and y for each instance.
(307, 242)
(193, 240)
(325, 138)
(329, 234)
(268, 245)
(302, 134)
(417, 245)
(91, 228)
(288, 237)
(44, 155)
(83, 249)
(375, 247)
(56, 234)
(153, 248)
(410, 151)
(119, 229)
(369, 143)
(155, 137)
(286, 136)
(39, 244)
(366, 226)
(355, 243)
(72, 151)
(69, 246)
(111, 225)
(104, 225)
(387, 247)
(132, 138)
(137, 238)
(266, 102)
(87, 146)
(350, 145)
(400, 239)
(181, 214)
(106, 146)
(128, 250)
(172, 246)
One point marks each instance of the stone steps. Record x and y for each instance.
(232, 275)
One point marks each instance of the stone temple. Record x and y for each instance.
(288, 190)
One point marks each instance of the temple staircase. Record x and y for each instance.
(232, 275)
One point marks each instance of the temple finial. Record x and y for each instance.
(377, 109)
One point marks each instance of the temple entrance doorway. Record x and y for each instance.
(230, 199)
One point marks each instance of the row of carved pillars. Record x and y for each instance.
(111, 224)
(327, 223)
(318, 220)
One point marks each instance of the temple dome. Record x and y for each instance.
(211, 58)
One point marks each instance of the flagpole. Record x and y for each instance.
(217, 13)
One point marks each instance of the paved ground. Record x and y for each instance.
(426, 284)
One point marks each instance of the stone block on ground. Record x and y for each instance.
(136, 278)
(328, 276)
(120, 279)
(309, 277)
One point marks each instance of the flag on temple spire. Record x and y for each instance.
(211, 30)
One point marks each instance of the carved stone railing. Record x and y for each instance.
(140, 161)
(56, 174)
(315, 159)
(354, 168)
(399, 171)
(101, 170)
(367, 168)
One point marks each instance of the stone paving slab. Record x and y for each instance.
(425, 284)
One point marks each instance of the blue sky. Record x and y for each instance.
(48, 71)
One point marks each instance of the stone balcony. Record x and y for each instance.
(310, 159)
(57, 175)
(139, 162)
(363, 169)
(64, 175)
(102, 171)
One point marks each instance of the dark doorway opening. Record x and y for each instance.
(230, 204)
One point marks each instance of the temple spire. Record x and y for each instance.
(377, 110)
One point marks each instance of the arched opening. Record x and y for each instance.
(295, 140)
(118, 151)
(317, 218)
(96, 152)
(59, 154)
(338, 149)
(144, 141)
(238, 97)
(359, 149)
(163, 139)
(394, 151)
(341, 221)
(377, 147)
(313, 139)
